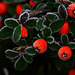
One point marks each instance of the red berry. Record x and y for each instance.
(71, 72)
(3, 9)
(2, 2)
(1, 24)
(19, 8)
(40, 45)
(32, 3)
(24, 32)
(64, 53)
(64, 29)
(71, 10)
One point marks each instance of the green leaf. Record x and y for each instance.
(41, 6)
(72, 27)
(5, 32)
(11, 54)
(71, 45)
(40, 35)
(11, 22)
(30, 51)
(26, 6)
(62, 11)
(47, 32)
(50, 40)
(56, 26)
(17, 33)
(64, 39)
(21, 42)
(40, 25)
(58, 63)
(31, 23)
(52, 17)
(28, 58)
(54, 46)
(20, 64)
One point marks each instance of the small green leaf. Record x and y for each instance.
(11, 54)
(62, 11)
(17, 33)
(50, 40)
(26, 6)
(71, 45)
(41, 6)
(40, 25)
(31, 23)
(30, 51)
(54, 46)
(5, 32)
(64, 39)
(56, 26)
(47, 32)
(11, 22)
(20, 64)
(52, 17)
(40, 35)
(21, 42)
(28, 58)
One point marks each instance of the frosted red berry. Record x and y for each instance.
(71, 10)
(32, 3)
(64, 53)
(40, 46)
(1, 24)
(24, 32)
(64, 29)
(71, 72)
(3, 9)
(19, 8)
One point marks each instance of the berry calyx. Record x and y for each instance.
(19, 8)
(64, 29)
(3, 9)
(40, 46)
(24, 32)
(71, 10)
(1, 24)
(64, 53)
(32, 3)
(71, 72)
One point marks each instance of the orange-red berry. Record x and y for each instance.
(40, 46)
(64, 29)
(3, 9)
(64, 53)
(71, 10)
(24, 32)
(19, 8)
(2, 2)
(1, 24)
(32, 3)
(71, 72)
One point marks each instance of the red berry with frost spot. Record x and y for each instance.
(1, 24)
(32, 3)
(3, 9)
(64, 29)
(71, 72)
(24, 32)
(19, 8)
(40, 46)
(71, 10)
(64, 53)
